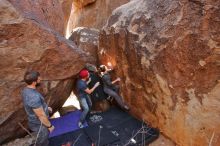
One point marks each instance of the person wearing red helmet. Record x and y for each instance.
(83, 93)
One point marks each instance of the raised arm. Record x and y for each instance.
(89, 91)
(115, 81)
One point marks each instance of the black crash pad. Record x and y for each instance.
(117, 129)
(111, 118)
(100, 135)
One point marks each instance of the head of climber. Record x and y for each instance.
(103, 68)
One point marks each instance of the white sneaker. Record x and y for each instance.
(80, 125)
(108, 98)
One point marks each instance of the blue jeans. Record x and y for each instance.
(86, 104)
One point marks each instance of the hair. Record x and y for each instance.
(102, 68)
(31, 76)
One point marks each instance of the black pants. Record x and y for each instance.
(114, 92)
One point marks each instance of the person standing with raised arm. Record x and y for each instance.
(84, 95)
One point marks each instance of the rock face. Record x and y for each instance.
(86, 39)
(167, 53)
(66, 7)
(29, 42)
(91, 13)
(162, 141)
(45, 12)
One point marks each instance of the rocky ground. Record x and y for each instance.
(26, 141)
(161, 141)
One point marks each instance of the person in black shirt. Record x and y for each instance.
(110, 88)
(94, 77)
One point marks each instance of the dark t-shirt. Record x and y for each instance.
(99, 93)
(32, 99)
(107, 83)
(81, 86)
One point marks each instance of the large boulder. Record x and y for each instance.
(167, 53)
(67, 6)
(91, 13)
(27, 43)
(86, 39)
(45, 12)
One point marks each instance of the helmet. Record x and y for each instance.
(84, 73)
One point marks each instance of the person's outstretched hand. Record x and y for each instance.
(51, 129)
(118, 79)
(97, 84)
(50, 109)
